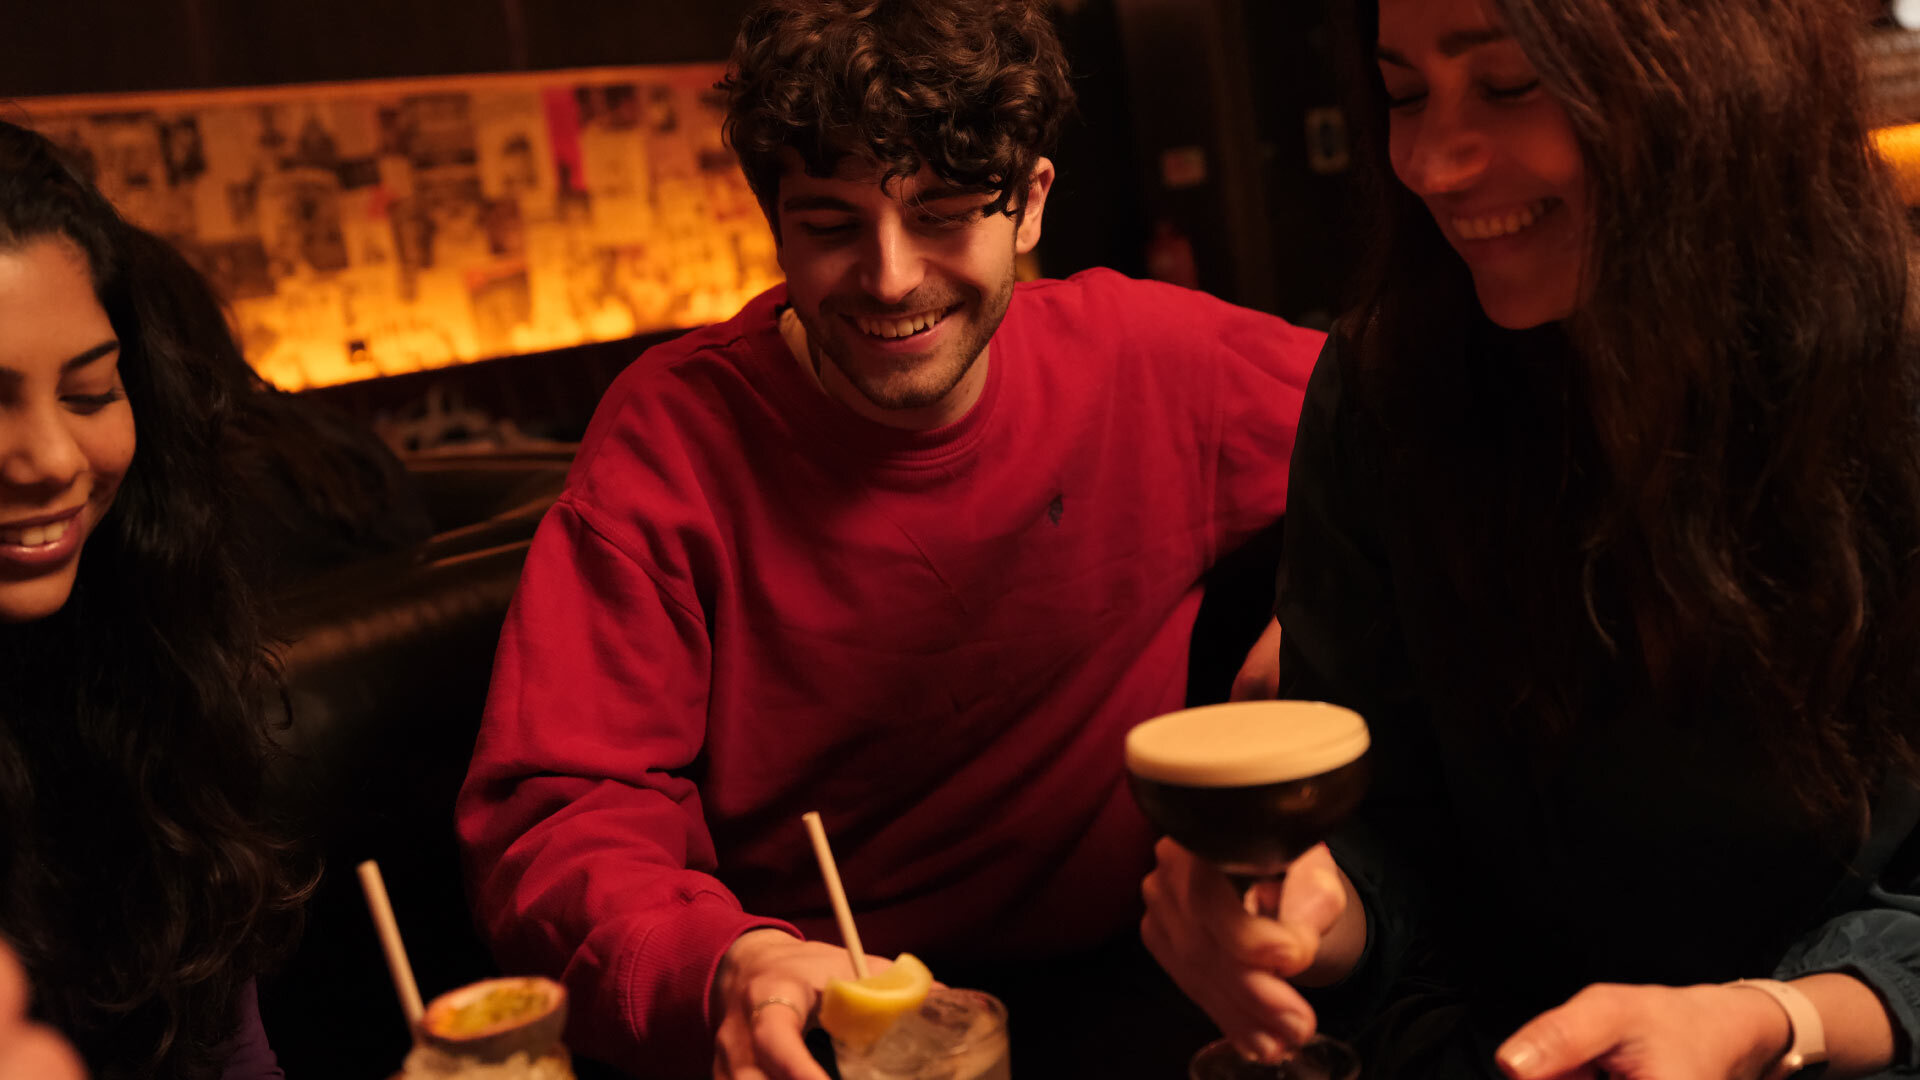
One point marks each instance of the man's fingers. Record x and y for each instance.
(769, 1046)
(1567, 1039)
(733, 1052)
(780, 1047)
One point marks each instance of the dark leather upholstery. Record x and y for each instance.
(386, 667)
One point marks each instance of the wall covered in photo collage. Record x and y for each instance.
(367, 229)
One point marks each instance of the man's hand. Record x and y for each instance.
(780, 976)
(1238, 966)
(29, 1051)
(1259, 677)
(1648, 1032)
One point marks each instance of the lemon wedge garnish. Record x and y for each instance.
(859, 1011)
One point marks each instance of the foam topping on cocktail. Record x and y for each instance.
(1246, 743)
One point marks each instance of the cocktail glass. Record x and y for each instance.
(955, 1035)
(1250, 786)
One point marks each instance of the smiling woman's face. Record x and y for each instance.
(1476, 136)
(66, 429)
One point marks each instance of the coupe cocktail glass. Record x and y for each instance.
(1250, 786)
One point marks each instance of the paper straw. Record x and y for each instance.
(382, 909)
(835, 894)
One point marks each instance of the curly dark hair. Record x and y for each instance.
(138, 880)
(1704, 487)
(975, 89)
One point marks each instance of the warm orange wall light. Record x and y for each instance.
(1901, 147)
(373, 228)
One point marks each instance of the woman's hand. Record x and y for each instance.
(1649, 1032)
(29, 1051)
(765, 992)
(1238, 966)
(1259, 677)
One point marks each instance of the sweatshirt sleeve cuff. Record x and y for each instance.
(667, 979)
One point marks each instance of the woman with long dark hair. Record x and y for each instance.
(1605, 513)
(138, 884)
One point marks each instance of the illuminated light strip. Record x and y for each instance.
(364, 229)
(1901, 147)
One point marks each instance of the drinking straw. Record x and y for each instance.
(382, 909)
(835, 894)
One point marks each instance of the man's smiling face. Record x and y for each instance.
(900, 286)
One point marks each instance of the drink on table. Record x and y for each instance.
(1250, 786)
(892, 1024)
(953, 1035)
(497, 1029)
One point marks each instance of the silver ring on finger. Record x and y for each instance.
(775, 999)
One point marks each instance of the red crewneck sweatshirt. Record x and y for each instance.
(752, 602)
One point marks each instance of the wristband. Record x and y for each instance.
(1807, 1043)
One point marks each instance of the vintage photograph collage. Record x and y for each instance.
(366, 229)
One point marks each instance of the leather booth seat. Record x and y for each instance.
(386, 667)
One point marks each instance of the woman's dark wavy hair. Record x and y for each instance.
(976, 89)
(1705, 486)
(137, 879)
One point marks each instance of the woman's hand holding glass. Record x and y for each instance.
(1241, 960)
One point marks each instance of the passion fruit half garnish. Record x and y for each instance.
(496, 1018)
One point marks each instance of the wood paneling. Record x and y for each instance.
(51, 47)
(83, 46)
(255, 43)
(585, 33)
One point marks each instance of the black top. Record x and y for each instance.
(1498, 883)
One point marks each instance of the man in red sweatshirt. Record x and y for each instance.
(902, 542)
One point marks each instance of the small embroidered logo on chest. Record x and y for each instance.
(1055, 510)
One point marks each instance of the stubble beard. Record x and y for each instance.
(922, 382)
